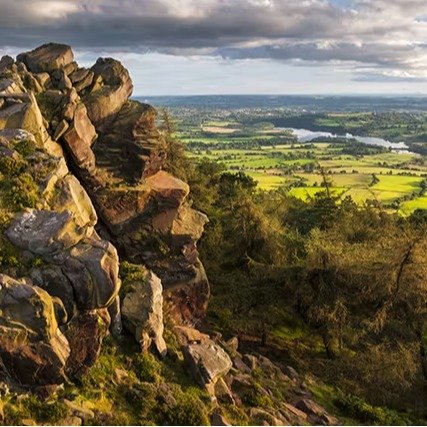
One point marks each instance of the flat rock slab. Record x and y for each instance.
(44, 232)
(207, 362)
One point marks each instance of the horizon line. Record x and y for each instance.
(385, 95)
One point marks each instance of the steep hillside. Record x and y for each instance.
(84, 337)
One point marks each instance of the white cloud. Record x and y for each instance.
(377, 37)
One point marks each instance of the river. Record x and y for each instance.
(305, 135)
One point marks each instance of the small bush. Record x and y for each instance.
(146, 367)
(357, 408)
(25, 147)
(11, 166)
(188, 411)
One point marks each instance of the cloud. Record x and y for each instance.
(383, 37)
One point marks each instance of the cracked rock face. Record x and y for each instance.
(142, 311)
(118, 155)
(33, 349)
(71, 278)
(111, 143)
(207, 362)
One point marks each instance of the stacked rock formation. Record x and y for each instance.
(83, 120)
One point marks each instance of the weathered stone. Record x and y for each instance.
(92, 267)
(31, 83)
(69, 111)
(310, 407)
(52, 279)
(60, 130)
(167, 190)
(47, 58)
(186, 288)
(79, 75)
(85, 334)
(44, 232)
(223, 393)
(11, 87)
(70, 68)
(85, 82)
(63, 82)
(142, 311)
(207, 362)
(269, 367)
(79, 138)
(71, 196)
(241, 385)
(103, 104)
(27, 115)
(259, 416)
(251, 361)
(218, 419)
(44, 80)
(187, 335)
(6, 62)
(231, 346)
(240, 365)
(32, 348)
(294, 412)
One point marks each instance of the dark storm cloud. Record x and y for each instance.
(383, 35)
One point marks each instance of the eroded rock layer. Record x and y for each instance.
(55, 115)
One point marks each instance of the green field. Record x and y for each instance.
(391, 178)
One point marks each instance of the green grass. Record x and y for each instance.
(267, 182)
(397, 184)
(399, 174)
(410, 206)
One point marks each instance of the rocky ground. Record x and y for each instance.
(82, 185)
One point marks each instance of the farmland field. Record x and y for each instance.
(262, 144)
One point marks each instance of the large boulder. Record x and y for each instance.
(47, 58)
(24, 113)
(207, 362)
(32, 348)
(113, 87)
(6, 62)
(132, 148)
(142, 312)
(70, 196)
(79, 138)
(166, 190)
(92, 267)
(44, 232)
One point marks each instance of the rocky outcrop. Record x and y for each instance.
(47, 58)
(142, 311)
(55, 115)
(118, 154)
(33, 349)
(111, 89)
(70, 274)
(206, 360)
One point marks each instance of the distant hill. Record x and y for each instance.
(302, 102)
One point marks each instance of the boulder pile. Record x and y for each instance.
(57, 117)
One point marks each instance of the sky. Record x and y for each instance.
(187, 47)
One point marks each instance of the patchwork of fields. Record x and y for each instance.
(277, 161)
